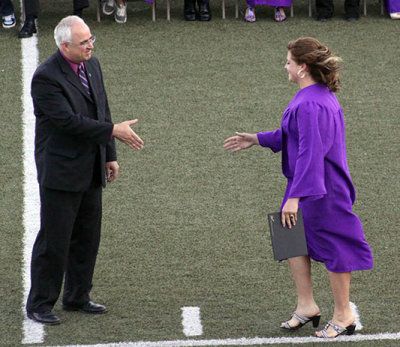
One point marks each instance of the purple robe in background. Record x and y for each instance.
(312, 141)
(392, 6)
(276, 3)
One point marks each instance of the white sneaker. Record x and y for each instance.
(9, 21)
(395, 15)
(109, 7)
(120, 13)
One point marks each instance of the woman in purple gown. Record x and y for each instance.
(312, 142)
(280, 16)
(393, 8)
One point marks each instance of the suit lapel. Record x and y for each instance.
(71, 76)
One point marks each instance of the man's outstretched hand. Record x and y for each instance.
(124, 133)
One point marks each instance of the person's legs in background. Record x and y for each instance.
(324, 9)
(250, 14)
(79, 5)
(118, 7)
(31, 13)
(204, 10)
(351, 9)
(7, 14)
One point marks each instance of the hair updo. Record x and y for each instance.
(322, 63)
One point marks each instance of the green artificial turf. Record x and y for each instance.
(185, 223)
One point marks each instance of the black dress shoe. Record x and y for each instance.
(189, 11)
(204, 11)
(352, 19)
(28, 29)
(45, 318)
(89, 307)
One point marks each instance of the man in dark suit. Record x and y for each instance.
(75, 156)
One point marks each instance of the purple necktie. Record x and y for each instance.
(83, 79)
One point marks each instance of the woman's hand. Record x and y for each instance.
(289, 212)
(240, 141)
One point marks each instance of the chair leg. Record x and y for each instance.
(291, 11)
(382, 8)
(153, 10)
(23, 14)
(168, 10)
(237, 9)
(223, 9)
(98, 11)
(365, 7)
(309, 8)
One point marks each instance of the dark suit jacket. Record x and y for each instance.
(73, 131)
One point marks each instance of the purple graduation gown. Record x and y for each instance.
(392, 6)
(276, 3)
(312, 141)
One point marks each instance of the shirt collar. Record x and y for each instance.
(73, 65)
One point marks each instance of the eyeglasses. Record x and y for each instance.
(86, 43)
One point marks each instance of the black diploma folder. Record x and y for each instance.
(287, 243)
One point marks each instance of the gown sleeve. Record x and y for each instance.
(271, 139)
(309, 173)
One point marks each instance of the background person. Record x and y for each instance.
(314, 162)
(118, 7)
(32, 8)
(279, 16)
(325, 10)
(202, 13)
(75, 155)
(393, 8)
(7, 14)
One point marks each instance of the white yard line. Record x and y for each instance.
(32, 332)
(244, 341)
(191, 321)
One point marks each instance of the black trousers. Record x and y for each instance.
(67, 243)
(32, 7)
(325, 8)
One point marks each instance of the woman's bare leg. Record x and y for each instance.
(342, 314)
(301, 273)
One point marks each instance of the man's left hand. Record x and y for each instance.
(112, 170)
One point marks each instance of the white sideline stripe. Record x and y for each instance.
(247, 341)
(354, 309)
(32, 332)
(191, 321)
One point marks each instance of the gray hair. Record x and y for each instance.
(62, 32)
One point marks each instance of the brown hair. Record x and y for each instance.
(322, 63)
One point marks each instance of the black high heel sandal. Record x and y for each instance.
(303, 320)
(340, 330)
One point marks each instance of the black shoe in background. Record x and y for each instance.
(204, 11)
(189, 11)
(323, 19)
(352, 18)
(28, 29)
